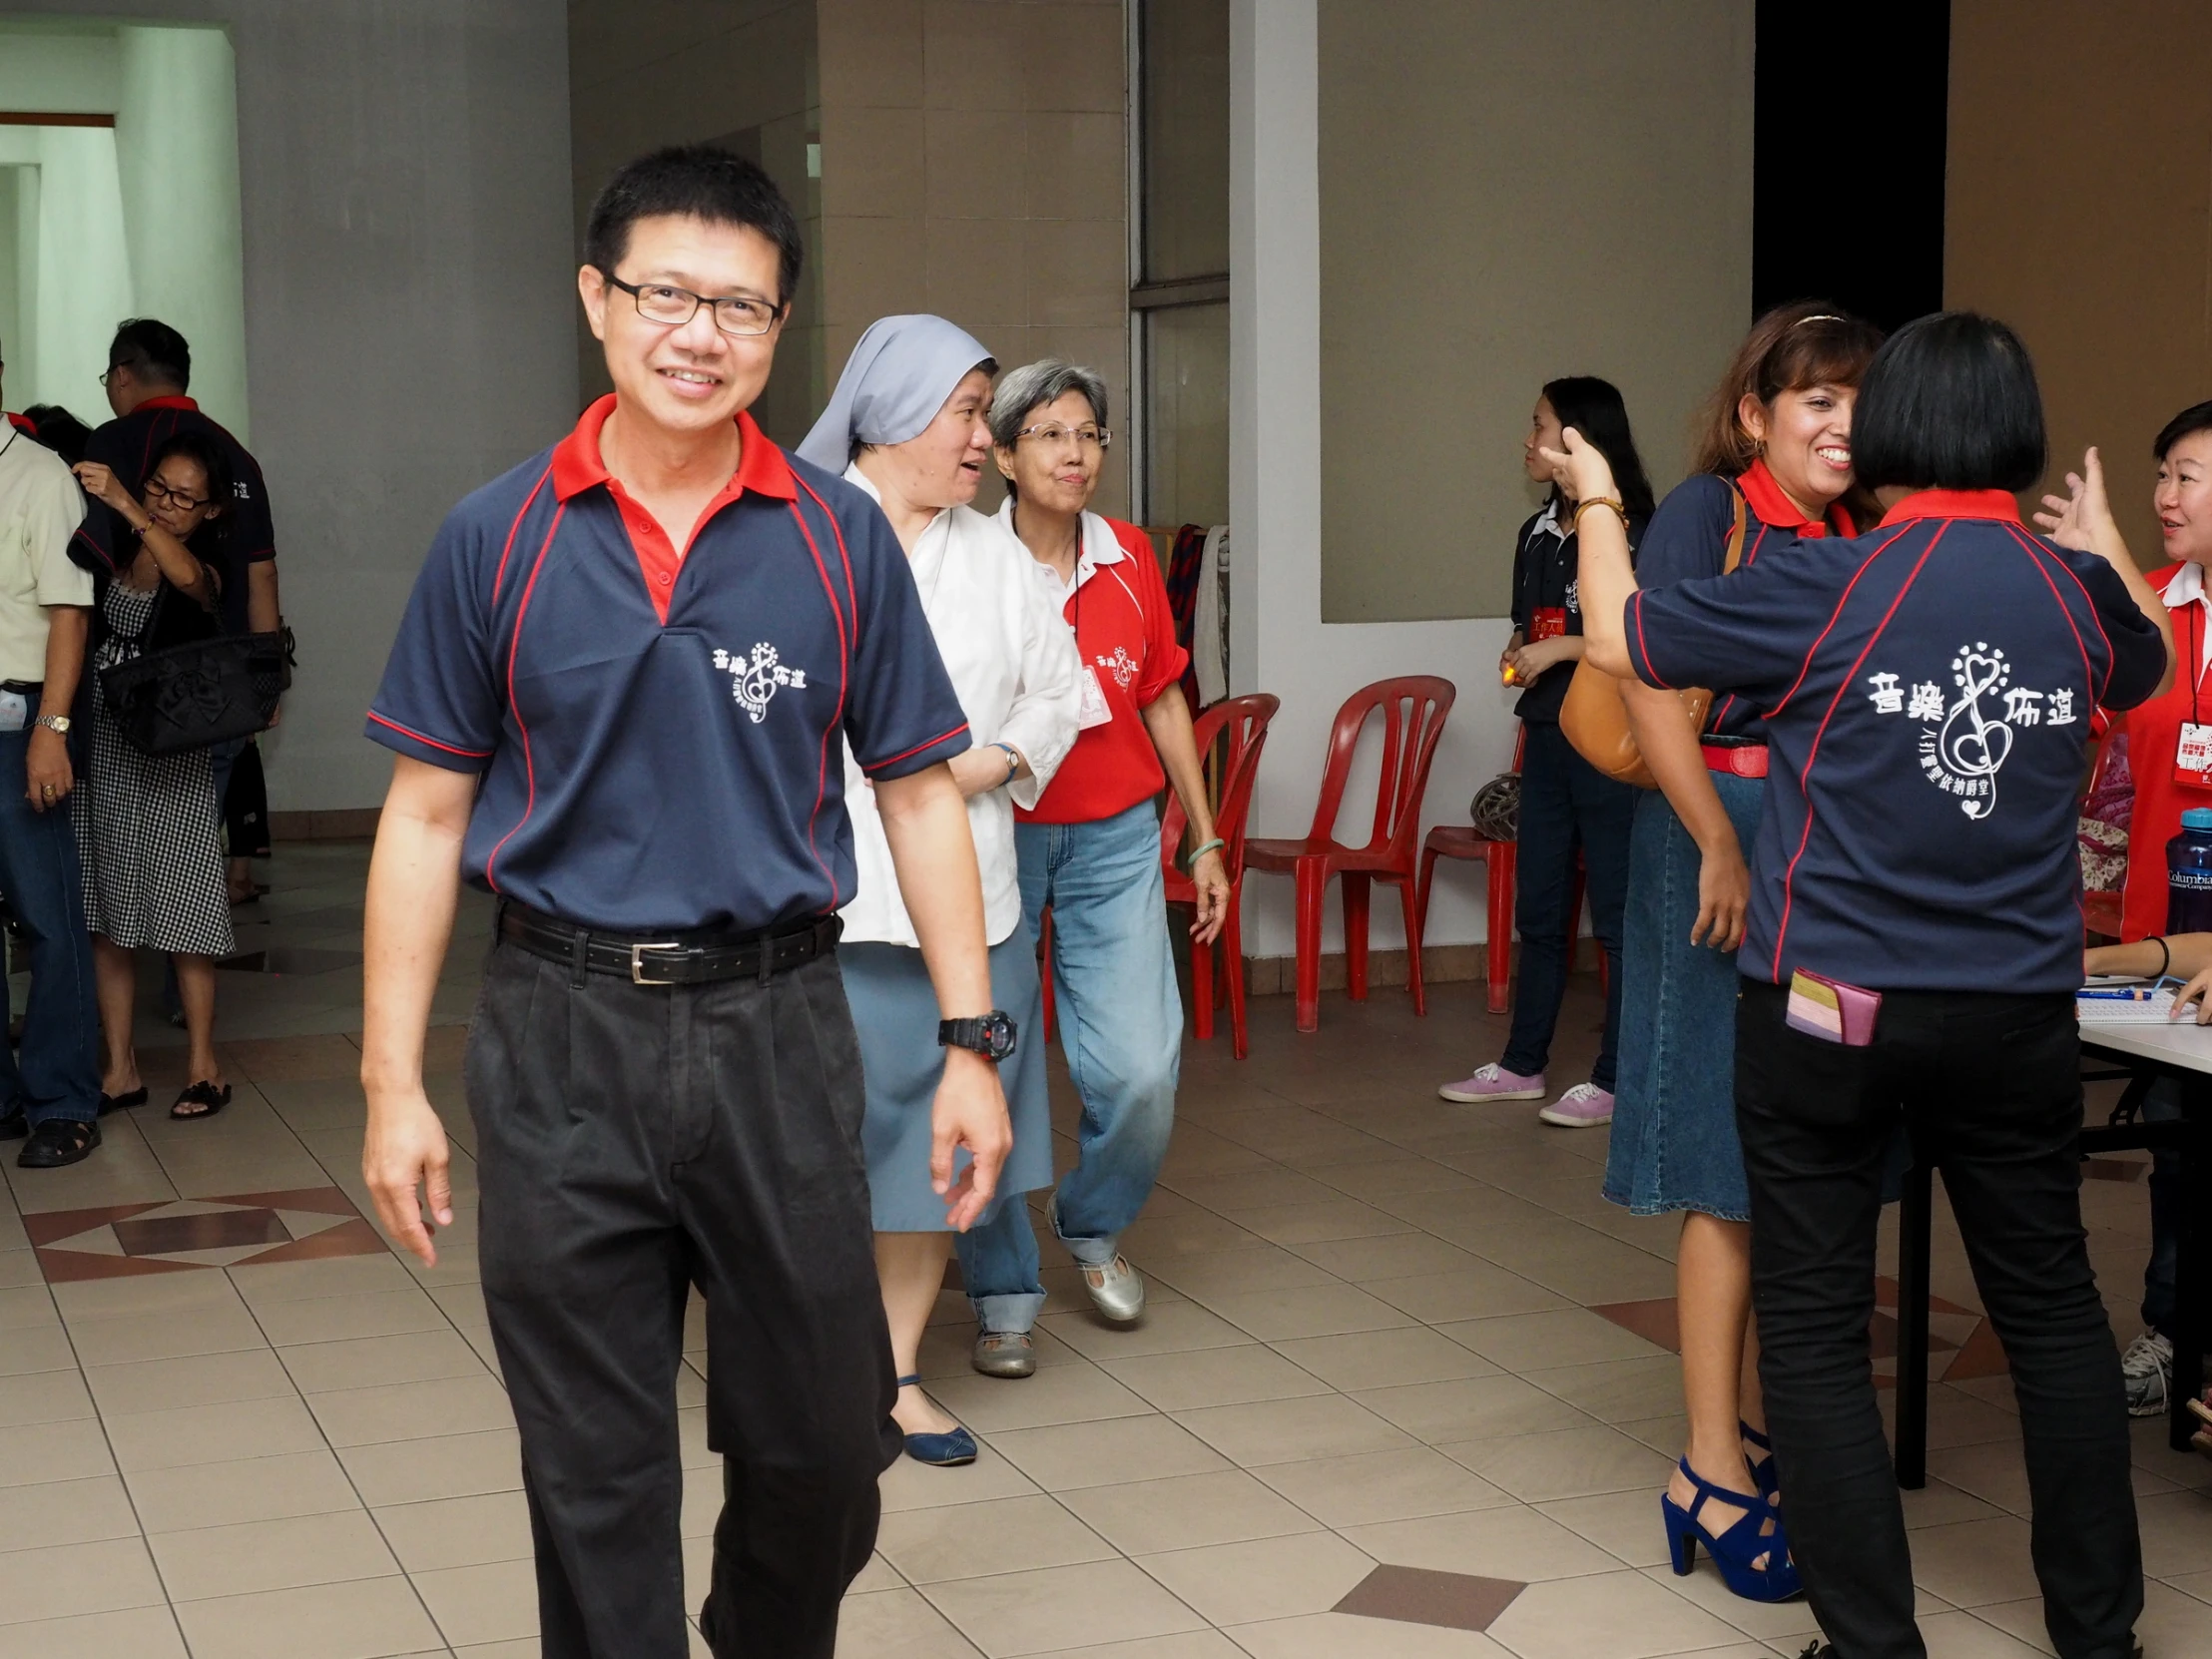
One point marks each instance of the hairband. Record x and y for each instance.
(1824, 316)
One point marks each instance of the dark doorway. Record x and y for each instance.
(1848, 142)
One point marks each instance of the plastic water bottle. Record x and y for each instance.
(2189, 875)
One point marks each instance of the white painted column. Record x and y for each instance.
(1277, 641)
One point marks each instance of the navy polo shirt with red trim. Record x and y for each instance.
(1926, 691)
(658, 732)
(126, 446)
(1688, 539)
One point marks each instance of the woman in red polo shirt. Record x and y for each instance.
(2171, 775)
(2170, 778)
(1089, 851)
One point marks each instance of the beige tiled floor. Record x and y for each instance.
(1369, 1342)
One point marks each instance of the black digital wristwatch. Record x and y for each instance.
(992, 1036)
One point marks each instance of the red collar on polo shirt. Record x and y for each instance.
(578, 465)
(1996, 504)
(1770, 504)
(167, 401)
(22, 424)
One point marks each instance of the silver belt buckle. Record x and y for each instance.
(637, 962)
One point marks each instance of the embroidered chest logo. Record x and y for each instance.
(754, 680)
(1574, 596)
(1121, 666)
(1965, 741)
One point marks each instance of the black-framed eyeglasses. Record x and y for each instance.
(155, 490)
(672, 307)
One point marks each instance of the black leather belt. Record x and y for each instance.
(694, 958)
(23, 688)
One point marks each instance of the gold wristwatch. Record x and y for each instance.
(54, 723)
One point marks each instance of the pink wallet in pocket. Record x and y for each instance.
(1832, 1010)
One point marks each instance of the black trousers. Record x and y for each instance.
(1989, 1088)
(632, 1141)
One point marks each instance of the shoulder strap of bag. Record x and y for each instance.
(1735, 555)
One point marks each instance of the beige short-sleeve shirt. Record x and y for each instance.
(40, 510)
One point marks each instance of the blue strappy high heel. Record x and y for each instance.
(941, 1451)
(1763, 1471)
(1735, 1547)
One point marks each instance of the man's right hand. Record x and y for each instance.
(404, 1150)
(49, 777)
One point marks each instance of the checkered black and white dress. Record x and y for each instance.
(149, 832)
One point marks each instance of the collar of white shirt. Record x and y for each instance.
(1100, 548)
(2187, 588)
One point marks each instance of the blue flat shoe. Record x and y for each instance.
(939, 1452)
(1735, 1547)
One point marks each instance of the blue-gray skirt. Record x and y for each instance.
(894, 1011)
(1674, 1144)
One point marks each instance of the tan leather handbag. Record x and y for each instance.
(1594, 715)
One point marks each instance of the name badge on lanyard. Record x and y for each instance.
(1549, 623)
(1093, 710)
(2193, 748)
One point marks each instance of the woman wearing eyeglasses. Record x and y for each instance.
(1091, 853)
(150, 833)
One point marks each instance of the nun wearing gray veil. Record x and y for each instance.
(908, 424)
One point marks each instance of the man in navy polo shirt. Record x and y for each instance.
(149, 369)
(619, 699)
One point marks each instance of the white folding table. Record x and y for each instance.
(2142, 1054)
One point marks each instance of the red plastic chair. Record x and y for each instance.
(1414, 710)
(1244, 720)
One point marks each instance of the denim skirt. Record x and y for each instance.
(1674, 1144)
(894, 1013)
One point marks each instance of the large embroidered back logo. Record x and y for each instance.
(754, 679)
(1966, 738)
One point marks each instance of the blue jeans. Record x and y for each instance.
(1121, 1027)
(58, 1075)
(1566, 804)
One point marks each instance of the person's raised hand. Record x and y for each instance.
(101, 483)
(1581, 467)
(405, 1148)
(2076, 518)
(969, 1110)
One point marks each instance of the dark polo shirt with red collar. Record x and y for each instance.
(659, 732)
(1926, 692)
(1688, 539)
(127, 446)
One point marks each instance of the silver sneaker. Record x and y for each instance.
(2147, 1367)
(1116, 1289)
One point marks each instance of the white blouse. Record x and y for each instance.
(1015, 668)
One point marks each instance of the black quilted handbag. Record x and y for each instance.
(206, 692)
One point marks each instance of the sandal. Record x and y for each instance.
(210, 1098)
(1735, 1547)
(1762, 1466)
